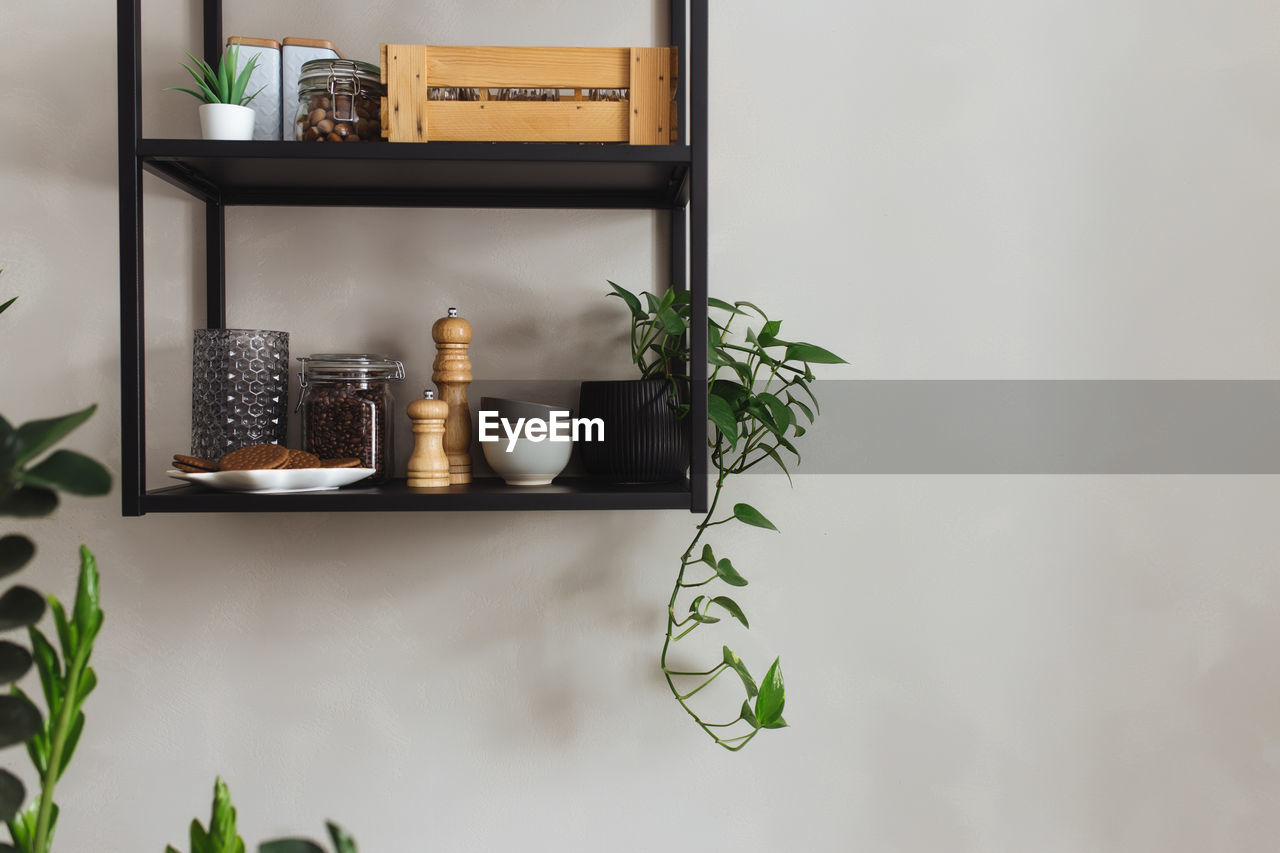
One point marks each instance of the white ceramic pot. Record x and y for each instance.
(226, 121)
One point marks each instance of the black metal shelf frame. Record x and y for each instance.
(560, 175)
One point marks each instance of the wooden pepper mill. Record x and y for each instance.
(451, 372)
(428, 466)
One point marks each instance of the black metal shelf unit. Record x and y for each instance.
(436, 174)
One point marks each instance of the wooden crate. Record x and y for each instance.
(647, 118)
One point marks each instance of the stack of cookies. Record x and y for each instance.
(260, 457)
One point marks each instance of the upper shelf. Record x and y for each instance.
(429, 174)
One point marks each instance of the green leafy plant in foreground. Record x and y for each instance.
(222, 837)
(757, 392)
(221, 85)
(29, 488)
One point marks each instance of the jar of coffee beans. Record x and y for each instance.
(339, 100)
(347, 409)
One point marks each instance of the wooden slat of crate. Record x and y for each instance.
(527, 121)
(649, 111)
(404, 74)
(529, 67)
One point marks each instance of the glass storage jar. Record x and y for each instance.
(339, 100)
(347, 409)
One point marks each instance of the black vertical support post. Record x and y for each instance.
(679, 216)
(133, 461)
(215, 222)
(698, 252)
(212, 31)
(215, 264)
(679, 249)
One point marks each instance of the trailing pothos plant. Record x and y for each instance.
(222, 836)
(29, 487)
(759, 388)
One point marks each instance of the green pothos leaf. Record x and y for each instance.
(735, 663)
(781, 413)
(773, 696)
(733, 392)
(748, 514)
(732, 606)
(342, 840)
(808, 413)
(721, 414)
(773, 454)
(812, 354)
(672, 323)
(729, 574)
(698, 613)
(630, 299)
(712, 302)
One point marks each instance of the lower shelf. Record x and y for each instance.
(483, 494)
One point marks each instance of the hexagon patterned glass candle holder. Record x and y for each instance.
(239, 389)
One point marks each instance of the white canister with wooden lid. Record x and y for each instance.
(265, 80)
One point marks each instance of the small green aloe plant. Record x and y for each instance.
(223, 85)
(756, 395)
(222, 837)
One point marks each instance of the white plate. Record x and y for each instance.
(278, 481)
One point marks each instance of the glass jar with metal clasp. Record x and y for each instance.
(339, 100)
(347, 409)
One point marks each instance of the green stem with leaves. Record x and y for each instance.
(752, 421)
(667, 672)
(65, 690)
(61, 730)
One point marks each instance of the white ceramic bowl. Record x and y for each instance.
(526, 462)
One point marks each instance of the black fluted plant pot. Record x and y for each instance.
(644, 440)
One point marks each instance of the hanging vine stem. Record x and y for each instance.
(752, 414)
(732, 744)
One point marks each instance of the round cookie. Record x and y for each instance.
(342, 462)
(191, 469)
(301, 459)
(194, 462)
(255, 457)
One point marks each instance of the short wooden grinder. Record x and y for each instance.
(428, 466)
(451, 372)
